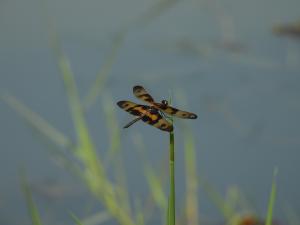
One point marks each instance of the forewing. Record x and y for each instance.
(132, 108)
(149, 115)
(156, 120)
(142, 94)
(176, 112)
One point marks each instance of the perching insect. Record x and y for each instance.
(154, 113)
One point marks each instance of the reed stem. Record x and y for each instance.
(171, 208)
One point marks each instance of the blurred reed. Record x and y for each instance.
(31, 207)
(269, 216)
(156, 180)
(75, 219)
(191, 179)
(102, 76)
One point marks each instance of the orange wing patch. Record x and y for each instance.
(157, 121)
(175, 112)
(142, 94)
(148, 114)
(131, 107)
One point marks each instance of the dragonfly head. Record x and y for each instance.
(164, 102)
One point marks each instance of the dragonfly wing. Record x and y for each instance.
(176, 112)
(156, 120)
(133, 108)
(152, 114)
(148, 115)
(142, 94)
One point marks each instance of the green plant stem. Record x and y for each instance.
(171, 217)
(32, 208)
(272, 199)
(191, 208)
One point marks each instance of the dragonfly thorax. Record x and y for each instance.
(164, 102)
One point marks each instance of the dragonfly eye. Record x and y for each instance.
(164, 102)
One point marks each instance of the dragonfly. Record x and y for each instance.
(154, 113)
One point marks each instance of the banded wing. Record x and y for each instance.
(175, 112)
(148, 114)
(133, 108)
(156, 120)
(142, 94)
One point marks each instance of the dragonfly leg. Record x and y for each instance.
(133, 121)
(164, 115)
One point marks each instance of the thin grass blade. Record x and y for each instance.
(96, 219)
(140, 219)
(75, 219)
(156, 189)
(94, 173)
(32, 208)
(269, 216)
(157, 196)
(37, 122)
(191, 177)
(218, 200)
(102, 76)
(191, 183)
(114, 156)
